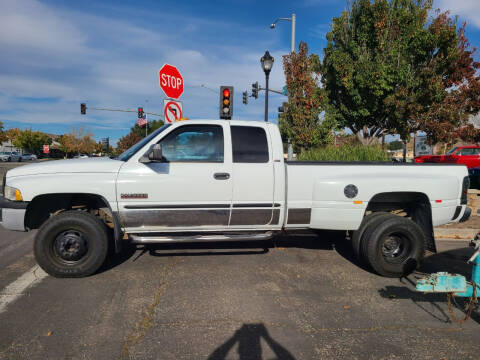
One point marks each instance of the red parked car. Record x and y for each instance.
(468, 155)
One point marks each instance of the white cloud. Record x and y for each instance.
(467, 9)
(28, 24)
(112, 62)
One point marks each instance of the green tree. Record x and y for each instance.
(388, 68)
(302, 121)
(31, 141)
(152, 126)
(395, 145)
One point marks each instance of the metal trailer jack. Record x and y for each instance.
(455, 284)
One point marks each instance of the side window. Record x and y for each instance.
(194, 143)
(467, 151)
(249, 144)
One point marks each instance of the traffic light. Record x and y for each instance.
(140, 112)
(255, 89)
(245, 97)
(83, 108)
(226, 102)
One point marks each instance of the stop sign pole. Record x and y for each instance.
(171, 81)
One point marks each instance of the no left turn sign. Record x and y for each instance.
(172, 110)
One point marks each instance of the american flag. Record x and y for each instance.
(141, 122)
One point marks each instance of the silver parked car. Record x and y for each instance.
(28, 157)
(10, 156)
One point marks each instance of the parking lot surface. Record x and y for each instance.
(297, 297)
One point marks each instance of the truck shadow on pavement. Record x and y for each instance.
(249, 346)
(325, 240)
(304, 241)
(452, 261)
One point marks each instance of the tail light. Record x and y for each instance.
(465, 187)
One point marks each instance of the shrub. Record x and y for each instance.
(345, 153)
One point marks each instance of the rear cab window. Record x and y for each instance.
(249, 144)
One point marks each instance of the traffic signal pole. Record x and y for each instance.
(121, 110)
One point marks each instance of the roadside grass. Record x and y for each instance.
(345, 153)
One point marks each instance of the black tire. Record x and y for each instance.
(9, 159)
(357, 234)
(393, 245)
(20, 159)
(71, 244)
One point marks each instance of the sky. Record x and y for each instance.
(56, 54)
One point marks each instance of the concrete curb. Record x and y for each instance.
(455, 234)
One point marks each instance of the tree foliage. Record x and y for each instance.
(77, 141)
(301, 121)
(3, 135)
(12, 134)
(136, 134)
(128, 141)
(151, 125)
(395, 145)
(388, 68)
(29, 140)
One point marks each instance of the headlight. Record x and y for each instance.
(12, 194)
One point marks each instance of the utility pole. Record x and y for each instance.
(292, 47)
(293, 20)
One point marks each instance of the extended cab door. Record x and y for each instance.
(253, 177)
(191, 189)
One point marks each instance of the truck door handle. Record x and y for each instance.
(221, 176)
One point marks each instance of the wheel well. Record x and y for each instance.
(414, 205)
(42, 207)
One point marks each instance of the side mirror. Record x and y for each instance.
(154, 154)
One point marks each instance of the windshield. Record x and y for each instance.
(127, 154)
(452, 151)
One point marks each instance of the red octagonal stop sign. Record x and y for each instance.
(170, 81)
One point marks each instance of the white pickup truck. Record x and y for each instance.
(211, 180)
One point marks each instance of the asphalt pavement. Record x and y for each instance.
(297, 297)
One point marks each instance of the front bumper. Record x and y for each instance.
(12, 214)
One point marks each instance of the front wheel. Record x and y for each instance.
(71, 244)
(393, 246)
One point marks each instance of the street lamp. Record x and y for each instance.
(267, 63)
(293, 20)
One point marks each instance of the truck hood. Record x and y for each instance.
(89, 165)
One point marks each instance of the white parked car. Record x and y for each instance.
(29, 157)
(81, 156)
(10, 156)
(213, 180)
